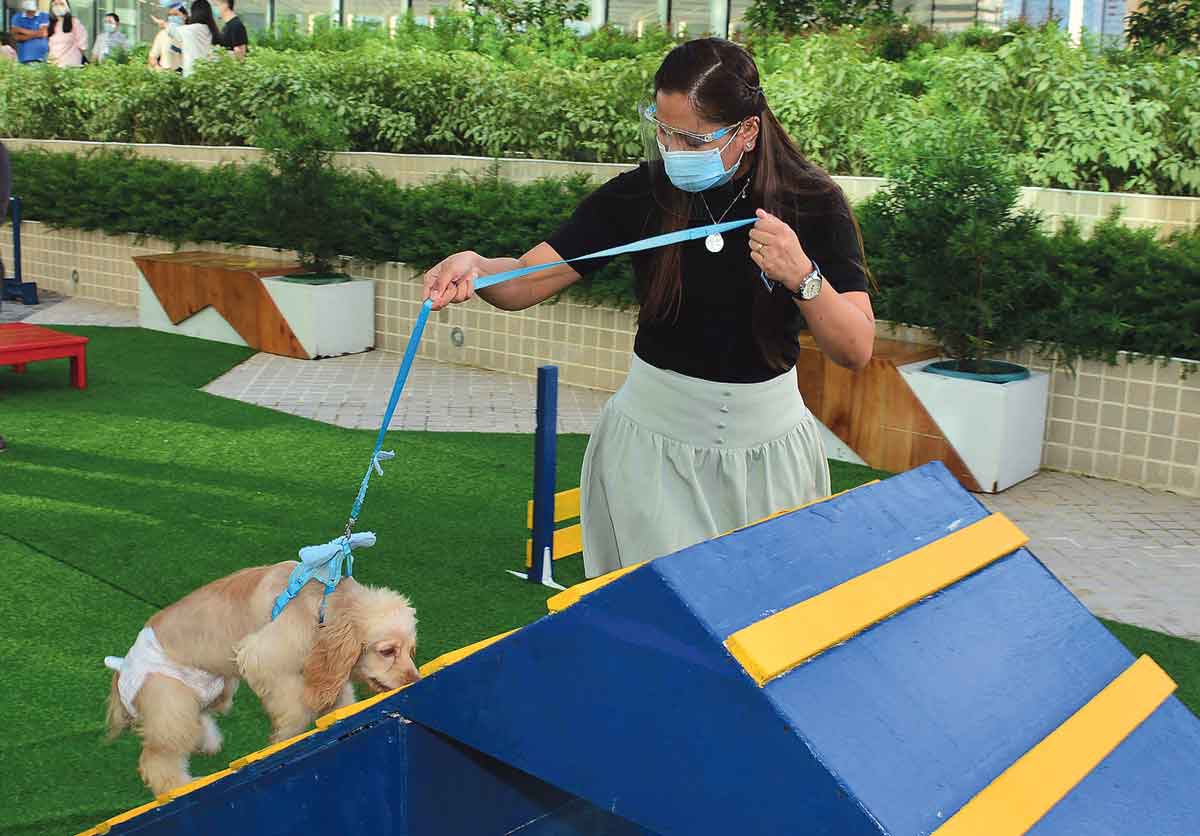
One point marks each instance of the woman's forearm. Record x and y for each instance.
(843, 326)
(526, 291)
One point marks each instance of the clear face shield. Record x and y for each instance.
(686, 157)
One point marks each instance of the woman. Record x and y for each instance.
(164, 55)
(68, 38)
(708, 432)
(194, 34)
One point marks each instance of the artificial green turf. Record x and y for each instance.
(119, 499)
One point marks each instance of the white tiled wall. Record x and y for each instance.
(1137, 421)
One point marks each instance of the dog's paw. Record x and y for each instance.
(210, 737)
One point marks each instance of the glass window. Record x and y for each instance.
(84, 11)
(423, 9)
(253, 14)
(691, 17)
(303, 14)
(129, 25)
(635, 15)
(737, 15)
(375, 14)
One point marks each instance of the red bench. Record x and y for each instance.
(21, 343)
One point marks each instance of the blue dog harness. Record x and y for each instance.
(327, 562)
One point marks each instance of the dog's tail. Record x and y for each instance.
(118, 718)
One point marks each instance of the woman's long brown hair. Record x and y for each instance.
(721, 81)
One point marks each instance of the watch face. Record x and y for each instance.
(811, 286)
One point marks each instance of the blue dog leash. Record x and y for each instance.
(327, 562)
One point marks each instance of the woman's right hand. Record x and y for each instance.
(452, 280)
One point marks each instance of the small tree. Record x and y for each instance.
(949, 247)
(300, 141)
(1166, 26)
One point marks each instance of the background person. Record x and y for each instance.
(165, 55)
(708, 433)
(194, 33)
(111, 38)
(68, 38)
(7, 53)
(233, 31)
(30, 30)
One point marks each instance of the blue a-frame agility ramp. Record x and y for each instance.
(889, 661)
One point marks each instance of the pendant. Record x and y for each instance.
(714, 243)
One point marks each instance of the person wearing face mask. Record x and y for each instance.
(30, 30)
(192, 33)
(108, 40)
(233, 31)
(68, 38)
(709, 431)
(164, 55)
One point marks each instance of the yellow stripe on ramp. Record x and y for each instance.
(250, 758)
(178, 792)
(1013, 803)
(783, 641)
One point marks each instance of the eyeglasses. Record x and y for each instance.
(667, 135)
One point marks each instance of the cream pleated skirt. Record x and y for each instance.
(676, 460)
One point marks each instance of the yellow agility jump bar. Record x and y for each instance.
(1013, 803)
(783, 641)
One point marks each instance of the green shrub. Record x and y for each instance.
(793, 16)
(1076, 118)
(1119, 289)
(1166, 26)
(950, 251)
(826, 92)
(1126, 290)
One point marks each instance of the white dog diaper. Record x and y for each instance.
(147, 657)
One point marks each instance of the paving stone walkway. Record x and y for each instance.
(1130, 554)
(18, 312)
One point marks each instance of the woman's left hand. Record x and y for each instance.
(776, 250)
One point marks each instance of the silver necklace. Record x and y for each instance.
(714, 243)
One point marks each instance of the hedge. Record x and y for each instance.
(1119, 289)
(1070, 118)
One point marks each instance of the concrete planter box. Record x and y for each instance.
(330, 319)
(997, 429)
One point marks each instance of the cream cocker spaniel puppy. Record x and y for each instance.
(187, 661)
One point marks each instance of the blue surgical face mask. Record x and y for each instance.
(174, 22)
(696, 171)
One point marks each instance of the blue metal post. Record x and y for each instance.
(15, 202)
(545, 463)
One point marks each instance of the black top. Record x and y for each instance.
(713, 336)
(233, 33)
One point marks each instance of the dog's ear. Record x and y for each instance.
(328, 666)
